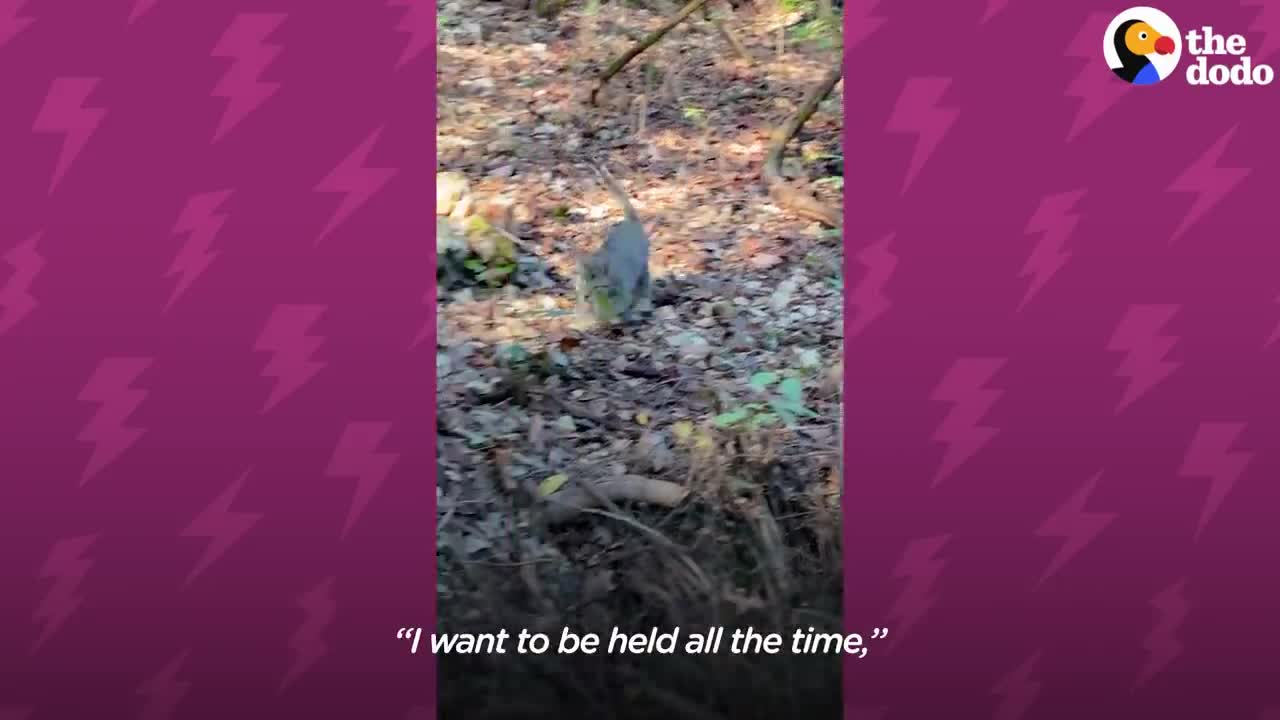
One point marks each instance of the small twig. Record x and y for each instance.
(650, 39)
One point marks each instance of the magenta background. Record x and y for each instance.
(1055, 472)
(285, 616)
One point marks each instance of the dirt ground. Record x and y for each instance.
(679, 472)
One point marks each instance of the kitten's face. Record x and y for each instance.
(594, 271)
(599, 292)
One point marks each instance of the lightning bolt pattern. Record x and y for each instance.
(140, 8)
(179, 363)
(1162, 643)
(245, 44)
(111, 387)
(164, 692)
(965, 387)
(356, 456)
(287, 337)
(417, 22)
(1095, 86)
(425, 331)
(66, 113)
(220, 525)
(918, 111)
(920, 566)
(993, 8)
(200, 220)
(67, 567)
(1139, 336)
(1266, 24)
(860, 21)
(1053, 221)
(308, 643)
(1075, 526)
(1208, 182)
(1017, 691)
(868, 297)
(355, 181)
(109, 110)
(16, 301)
(1210, 455)
(11, 22)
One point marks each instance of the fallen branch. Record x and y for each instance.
(789, 197)
(568, 503)
(616, 66)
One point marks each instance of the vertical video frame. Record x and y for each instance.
(639, 361)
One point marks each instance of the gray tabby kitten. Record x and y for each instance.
(613, 282)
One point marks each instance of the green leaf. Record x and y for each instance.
(764, 419)
(514, 353)
(552, 484)
(475, 265)
(793, 390)
(731, 418)
(762, 380)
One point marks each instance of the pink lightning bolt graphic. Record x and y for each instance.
(868, 297)
(425, 331)
(163, 691)
(1266, 24)
(16, 712)
(1162, 644)
(222, 526)
(355, 181)
(860, 21)
(1210, 455)
(1208, 182)
(200, 220)
(1075, 526)
(1054, 220)
(994, 8)
(308, 645)
(919, 112)
(1017, 691)
(16, 301)
(965, 387)
(1096, 87)
(287, 337)
(245, 44)
(140, 8)
(1140, 337)
(417, 22)
(357, 456)
(920, 566)
(11, 23)
(64, 113)
(67, 566)
(111, 387)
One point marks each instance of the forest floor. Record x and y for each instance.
(730, 393)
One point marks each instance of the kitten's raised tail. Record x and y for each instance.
(615, 190)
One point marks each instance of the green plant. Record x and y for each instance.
(784, 402)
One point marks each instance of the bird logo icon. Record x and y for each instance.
(1142, 46)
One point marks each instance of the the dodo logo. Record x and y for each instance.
(1143, 46)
